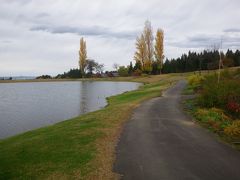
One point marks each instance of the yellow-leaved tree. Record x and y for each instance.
(148, 37)
(159, 49)
(82, 56)
(140, 54)
(144, 48)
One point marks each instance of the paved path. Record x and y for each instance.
(161, 142)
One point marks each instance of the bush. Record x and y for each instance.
(213, 118)
(123, 71)
(137, 72)
(233, 106)
(73, 73)
(225, 95)
(237, 73)
(44, 77)
(233, 131)
(195, 81)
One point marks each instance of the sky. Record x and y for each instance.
(42, 36)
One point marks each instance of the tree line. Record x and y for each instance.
(206, 60)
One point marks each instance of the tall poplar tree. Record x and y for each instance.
(140, 54)
(159, 48)
(148, 37)
(144, 54)
(82, 56)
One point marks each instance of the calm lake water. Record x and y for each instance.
(26, 106)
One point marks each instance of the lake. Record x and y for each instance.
(26, 106)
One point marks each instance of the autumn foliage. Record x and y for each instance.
(82, 56)
(159, 49)
(145, 51)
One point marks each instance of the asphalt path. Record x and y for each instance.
(161, 142)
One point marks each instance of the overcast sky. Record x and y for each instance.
(42, 36)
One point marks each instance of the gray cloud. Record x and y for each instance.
(42, 15)
(86, 31)
(232, 30)
(6, 41)
(208, 40)
(22, 2)
(42, 37)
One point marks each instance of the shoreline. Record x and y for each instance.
(85, 143)
(138, 85)
(122, 79)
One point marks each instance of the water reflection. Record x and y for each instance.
(25, 106)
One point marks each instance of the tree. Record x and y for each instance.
(144, 46)
(148, 38)
(93, 66)
(115, 66)
(140, 54)
(44, 77)
(82, 56)
(130, 69)
(90, 66)
(137, 66)
(123, 71)
(73, 73)
(159, 49)
(205, 60)
(99, 68)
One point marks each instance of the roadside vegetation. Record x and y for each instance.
(217, 105)
(80, 148)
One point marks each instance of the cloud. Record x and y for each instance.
(22, 2)
(86, 31)
(41, 15)
(44, 35)
(232, 30)
(5, 41)
(202, 41)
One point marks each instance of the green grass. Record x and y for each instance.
(82, 147)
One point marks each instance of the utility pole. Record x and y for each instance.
(200, 65)
(220, 61)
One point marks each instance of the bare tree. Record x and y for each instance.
(115, 66)
(93, 66)
(99, 68)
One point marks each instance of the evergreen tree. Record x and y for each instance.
(206, 60)
(130, 69)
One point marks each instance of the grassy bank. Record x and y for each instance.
(81, 148)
